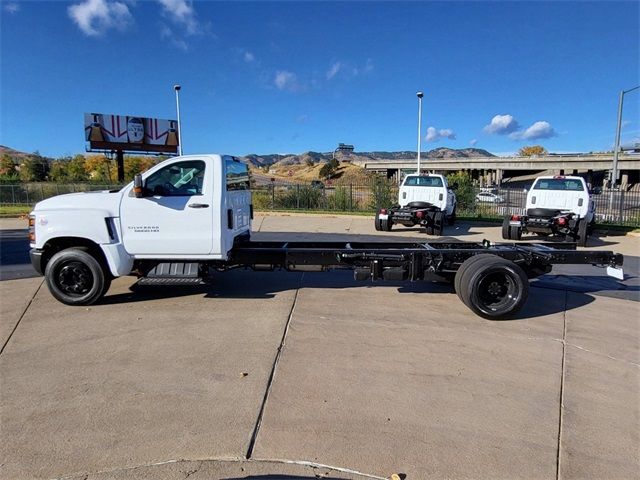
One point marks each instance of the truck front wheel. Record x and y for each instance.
(75, 277)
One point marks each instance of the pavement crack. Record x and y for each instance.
(21, 317)
(276, 360)
(562, 377)
(602, 354)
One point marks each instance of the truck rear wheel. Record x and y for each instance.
(438, 223)
(385, 225)
(377, 223)
(515, 233)
(506, 228)
(492, 287)
(583, 226)
(75, 277)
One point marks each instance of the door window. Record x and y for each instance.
(177, 180)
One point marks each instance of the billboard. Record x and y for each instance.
(129, 133)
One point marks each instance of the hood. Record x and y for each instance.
(101, 200)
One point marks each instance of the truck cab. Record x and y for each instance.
(424, 200)
(187, 208)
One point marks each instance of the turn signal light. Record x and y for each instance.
(32, 228)
(562, 221)
(515, 218)
(383, 211)
(420, 214)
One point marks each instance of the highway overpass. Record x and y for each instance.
(493, 169)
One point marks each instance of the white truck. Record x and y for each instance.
(189, 216)
(424, 200)
(556, 205)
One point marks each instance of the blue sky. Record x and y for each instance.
(290, 77)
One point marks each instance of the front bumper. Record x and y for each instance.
(36, 260)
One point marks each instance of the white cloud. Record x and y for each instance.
(364, 69)
(167, 33)
(11, 8)
(94, 17)
(433, 134)
(536, 131)
(182, 13)
(502, 125)
(285, 80)
(473, 142)
(333, 71)
(249, 57)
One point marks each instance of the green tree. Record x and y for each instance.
(34, 168)
(329, 168)
(533, 150)
(7, 167)
(58, 170)
(383, 193)
(463, 184)
(75, 169)
(136, 164)
(98, 168)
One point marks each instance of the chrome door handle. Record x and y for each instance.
(198, 205)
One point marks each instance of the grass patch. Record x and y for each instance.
(14, 210)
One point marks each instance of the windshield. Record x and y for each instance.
(570, 184)
(423, 182)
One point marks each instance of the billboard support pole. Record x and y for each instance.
(120, 163)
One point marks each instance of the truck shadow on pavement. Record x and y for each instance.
(247, 284)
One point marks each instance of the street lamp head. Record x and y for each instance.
(420, 94)
(176, 87)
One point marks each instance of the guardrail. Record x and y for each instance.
(612, 206)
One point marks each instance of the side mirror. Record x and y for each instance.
(137, 186)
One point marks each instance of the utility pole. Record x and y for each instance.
(177, 89)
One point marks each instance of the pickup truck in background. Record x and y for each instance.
(556, 205)
(424, 200)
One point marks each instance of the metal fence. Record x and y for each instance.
(612, 206)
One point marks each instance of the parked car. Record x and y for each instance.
(487, 197)
(317, 184)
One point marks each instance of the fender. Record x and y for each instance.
(94, 225)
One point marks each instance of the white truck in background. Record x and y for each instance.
(424, 200)
(556, 205)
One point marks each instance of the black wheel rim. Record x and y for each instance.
(497, 292)
(74, 279)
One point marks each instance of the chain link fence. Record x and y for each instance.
(612, 206)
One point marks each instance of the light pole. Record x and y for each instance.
(614, 171)
(177, 89)
(419, 95)
(616, 149)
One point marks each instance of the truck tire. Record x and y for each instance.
(583, 226)
(376, 222)
(506, 228)
(457, 282)
(451, 219)
(75, 277)
(493, 287)
(438, 223)
(515, 232)
(429, 230)
(385, 225)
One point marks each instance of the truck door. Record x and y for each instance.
(175, 217)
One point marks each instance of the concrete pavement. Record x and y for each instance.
(317, 368)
